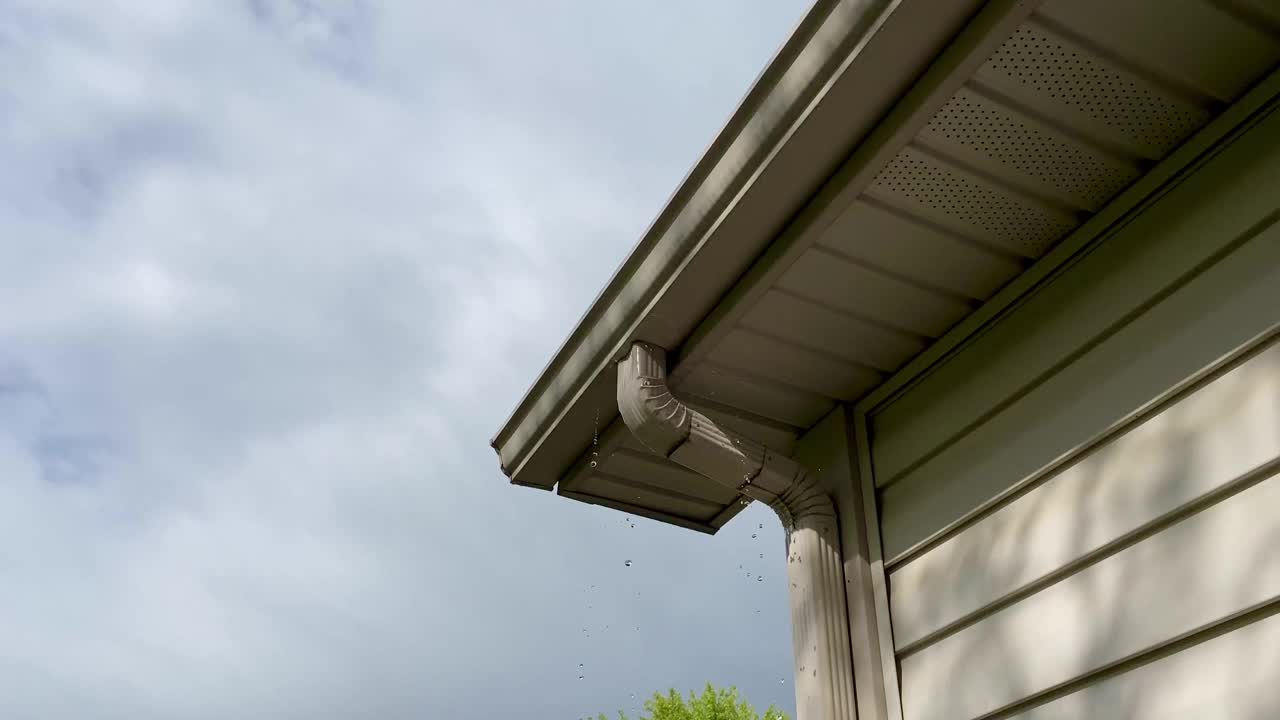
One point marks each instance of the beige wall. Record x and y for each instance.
(1078, 509)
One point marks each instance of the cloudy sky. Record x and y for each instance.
(272, 272)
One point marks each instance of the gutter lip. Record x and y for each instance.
(765, 83)
(715, 164)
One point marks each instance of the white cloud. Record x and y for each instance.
(271, 274)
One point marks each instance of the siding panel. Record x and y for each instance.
(1230, 676)
(1219, 310)
(1210, 567)
(1217, 436)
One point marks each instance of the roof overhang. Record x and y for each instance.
(899, 172)
(843, 68)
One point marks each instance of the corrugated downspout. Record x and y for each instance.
(815, 569)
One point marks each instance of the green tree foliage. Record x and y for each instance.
(712, 704)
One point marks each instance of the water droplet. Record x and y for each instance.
(580, 665)
(759, 578)
(761, 526)
(593, 463)
(627, 563)
(761, 556)
(753, 536)
(579, 677)
(781, 681)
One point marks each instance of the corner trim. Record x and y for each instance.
(882, 655)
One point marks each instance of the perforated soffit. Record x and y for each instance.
(1051, 126)
(1038, 175)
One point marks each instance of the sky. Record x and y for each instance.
(272, 273)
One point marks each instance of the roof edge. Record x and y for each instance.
(778, 101)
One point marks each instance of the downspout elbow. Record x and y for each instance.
(672, 429)
(654, 415)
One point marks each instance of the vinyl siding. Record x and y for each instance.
(1080, 508)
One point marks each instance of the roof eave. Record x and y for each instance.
(841, 70)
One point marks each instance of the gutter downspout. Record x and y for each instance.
(815, 568)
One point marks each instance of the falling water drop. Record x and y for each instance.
(759, 578)
(753, 536)
(595, 439)
(782, 681)
(627, 563)
(761, 556)
(760, 526)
